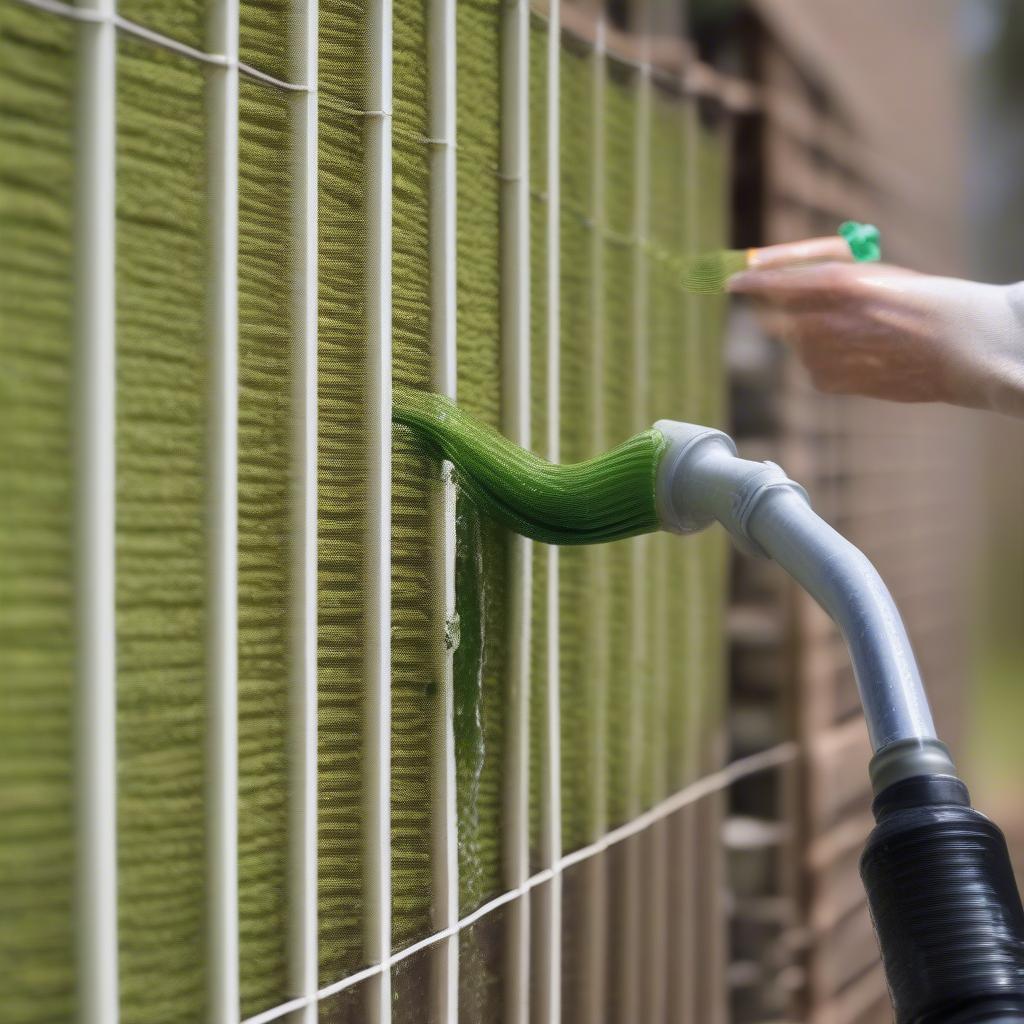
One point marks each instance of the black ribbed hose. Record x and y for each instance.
(945, 906)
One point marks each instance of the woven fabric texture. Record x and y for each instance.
(577, 412)
(162, 543)
(480, 660)
(345, 518)
(266, 552)
(418, 648)
(638, 651)
(36, 480)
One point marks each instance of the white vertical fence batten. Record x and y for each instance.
(634, 853)
(640, 414)
(378, 546)
(700, 874)
(515, 354)
(651, 892)
(549, 984)
(709, 814)
(598, 366)
(687, 838)
(94, 542)
(222, 524)
(443, 318)
(595, 938)
(549, 956)
(302, 899)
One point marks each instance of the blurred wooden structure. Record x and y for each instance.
(858, 119)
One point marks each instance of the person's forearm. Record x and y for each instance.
(889, 333)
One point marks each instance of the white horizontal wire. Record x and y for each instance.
(278, 83)
(132, 28)
(773, 757)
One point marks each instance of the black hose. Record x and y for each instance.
(945, 906)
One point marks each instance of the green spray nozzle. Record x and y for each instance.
(864, 240)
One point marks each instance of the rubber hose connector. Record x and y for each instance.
(945, 906)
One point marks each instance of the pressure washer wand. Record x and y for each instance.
(937, 873)
(939, 883)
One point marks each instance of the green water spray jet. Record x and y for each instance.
(706, 273)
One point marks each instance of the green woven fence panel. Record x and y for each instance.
(185, 21)
(343, 466)
(577, 408)
(539, 384)
(661, 550)
(687, 669)
(417, 596)
(480, 662)
(676, 603)
(481, 571)
(266, 556)
(266, 36)
(36, 657)
(161, 545)
(627, 684)
(578, 577)
(712, 231)
(655, 650)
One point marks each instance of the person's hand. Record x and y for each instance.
(882, 331)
